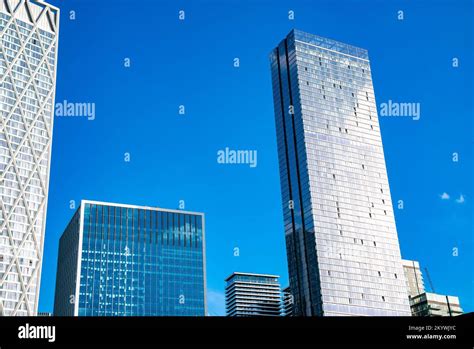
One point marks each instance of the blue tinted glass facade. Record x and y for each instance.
(140, 261)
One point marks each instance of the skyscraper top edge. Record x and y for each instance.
(94, 202)
(104, 203)
(328, 44)
(13, 4)
(33, 12)
(44, 3)
(410, 263)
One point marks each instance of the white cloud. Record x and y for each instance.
(215, 303)
(444, 196)
(461, 199)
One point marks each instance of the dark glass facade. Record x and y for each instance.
(136, 261)
(287, 302)
(297, 213)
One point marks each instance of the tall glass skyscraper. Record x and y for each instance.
(342, 243)
(28, 55)
(123, 260)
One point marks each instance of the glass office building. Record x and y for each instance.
(123, 260)
(342, 243)
(248, 294)
(28, 56)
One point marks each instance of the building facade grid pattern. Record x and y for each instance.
(136, 261)
(28, 55)
(342, 244)
(414, 277)
(252, 295)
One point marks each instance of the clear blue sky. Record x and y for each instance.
(173, 157)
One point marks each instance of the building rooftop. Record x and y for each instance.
(437, 297)
(93, 202)
(251, 274)
(409, 263)
(329, 44)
